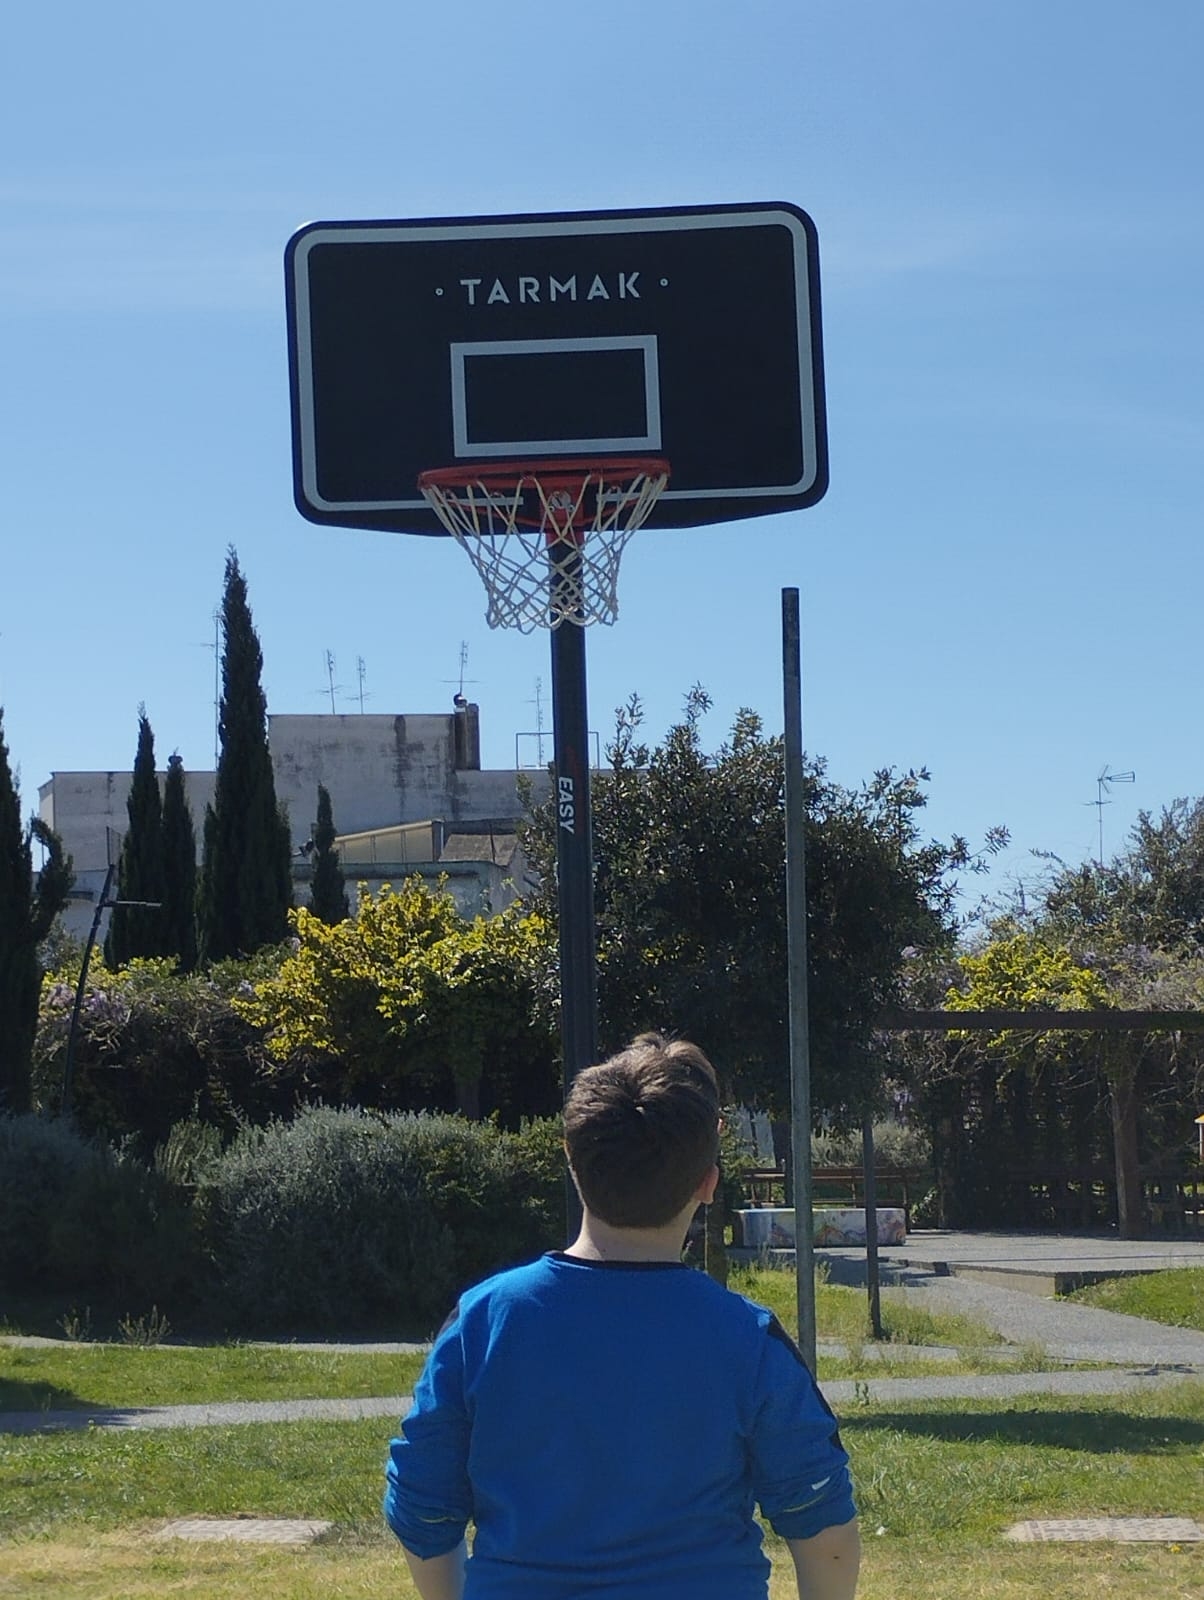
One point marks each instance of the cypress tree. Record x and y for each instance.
(246, 879)
(137, 930)
(179, 870)
(328, 890)
(27, 909)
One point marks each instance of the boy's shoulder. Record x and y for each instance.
(548, 1273)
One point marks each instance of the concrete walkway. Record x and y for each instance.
(934, 1270)
(992, 1277)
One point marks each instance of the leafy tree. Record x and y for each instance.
(1151, 893)
(246, 875)
(179, 870)
(328, 890)
(689, 852)
(406, 995)
(137, 930)
(29, 904)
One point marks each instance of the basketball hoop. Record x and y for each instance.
(546, 537)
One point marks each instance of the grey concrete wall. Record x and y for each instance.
(383, 770)
(379, 770)
(88, 811)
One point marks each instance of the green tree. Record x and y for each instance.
(409, 994)
(29, 903)
(328, 890)
(179, 870)
(246, 874)
(689, 853)
(137, 930)
(1151, 893)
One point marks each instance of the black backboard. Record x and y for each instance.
(692, 334)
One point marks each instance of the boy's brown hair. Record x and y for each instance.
(642, 1131)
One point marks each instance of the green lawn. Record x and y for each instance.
(842, 1314)
(1175, 1296)
(90, 1567)
(73, 1377)
(82, 1376)
(937, 1485)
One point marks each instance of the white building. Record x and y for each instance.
(383, 773)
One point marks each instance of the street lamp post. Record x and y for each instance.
(103, 904)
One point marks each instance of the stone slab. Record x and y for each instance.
(246, 1530)
(1030, 1280)
(1123, 1530)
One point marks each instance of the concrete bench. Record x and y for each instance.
(772, 1227)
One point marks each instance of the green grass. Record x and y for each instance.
(952, 1469)
(964, 1469)
(1175, 1296)
(89, 1567)
(941, 1481)
(73, 1377)
(841, 1314)
(84, 1376)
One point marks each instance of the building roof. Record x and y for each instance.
(498, 848)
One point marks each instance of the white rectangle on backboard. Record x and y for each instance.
(468, 447)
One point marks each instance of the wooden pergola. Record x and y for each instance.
(1041, 1021)
(1111, 1020)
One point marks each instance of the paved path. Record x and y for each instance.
(926, 1269)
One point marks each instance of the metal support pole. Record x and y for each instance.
(870, 1180)
(574, 862)
(102, 904)
(796, 963)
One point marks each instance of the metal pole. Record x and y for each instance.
(796, 980)
(870, 1178)
(574, 860)
(102, 904)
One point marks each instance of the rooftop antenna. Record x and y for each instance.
(361, 694)
(331, 685)
(1103, 784)
(461, 680)
(538, 703)
(216, 647)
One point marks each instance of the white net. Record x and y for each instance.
(547, 537)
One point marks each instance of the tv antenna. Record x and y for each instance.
(538, 704)
(461, 680)
(361, 694)
(331, 685)
(1103, 786)
(216, 647)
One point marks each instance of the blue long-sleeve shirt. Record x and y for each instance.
(609, 1429)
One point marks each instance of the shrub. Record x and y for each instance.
(125, 1230)
(341, 1218)
(75, 1214)
(896, 1144)
(541, 1174)
(41, 1163)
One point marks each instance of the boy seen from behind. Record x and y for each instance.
(608, 1418)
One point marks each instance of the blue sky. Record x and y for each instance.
(1001, 582)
